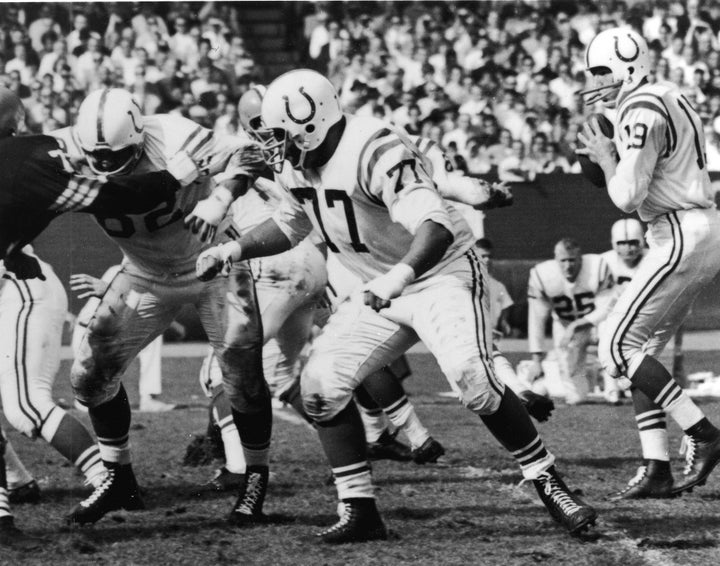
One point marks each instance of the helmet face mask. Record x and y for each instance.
(618, 60)
(628, 240)
(110, 131)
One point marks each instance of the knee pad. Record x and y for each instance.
(323, 397)
(477, 393)
(90, 388)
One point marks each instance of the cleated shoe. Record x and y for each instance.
(13, 538)
(653, 480)
(248, 507)
(387, 447)
(429, 452)
(701, 457)
(360, 521)
(564, 506)
(27, 493)
(119, 490)
(223, 480)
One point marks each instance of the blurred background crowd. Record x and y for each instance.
(494, 83)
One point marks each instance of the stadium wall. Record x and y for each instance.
(551, 207)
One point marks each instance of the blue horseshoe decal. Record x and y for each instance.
(309, 116)
(627, 59)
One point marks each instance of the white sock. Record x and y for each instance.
(116, 450)
(679, 406)
(652, 428)
(354, 481)
(402, 415)
(91, 465)
(374, 423)
(17, 474)
(234, 454)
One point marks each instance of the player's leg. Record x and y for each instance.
(355, 343)
(38, 309)
(572, 361)
(150, 380)
(232, 475)
(130, 315)
(229, 313)
(451, 317)
(684, 256)
(22, 487)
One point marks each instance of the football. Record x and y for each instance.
(592, 171)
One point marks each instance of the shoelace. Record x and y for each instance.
(558, 495)
(691, 446)
(99, 490)
(347, 515)
(641, 471)
(253, 492)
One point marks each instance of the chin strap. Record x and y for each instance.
(599, 93)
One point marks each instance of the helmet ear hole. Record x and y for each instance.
(631, 70)
(310, 128)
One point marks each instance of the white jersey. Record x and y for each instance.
(621, 271)
(440, 168)
(157, 242)
(369, 200)
(659, 138)
(549, 290)
(257, 205)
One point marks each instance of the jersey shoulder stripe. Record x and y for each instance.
(658, 104)
(698, 148)
(191, 137)
(364, 170)
(200, 144)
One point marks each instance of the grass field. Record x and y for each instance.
(468, 509)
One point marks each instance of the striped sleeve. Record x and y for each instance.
(80, 193)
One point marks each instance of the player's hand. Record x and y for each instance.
(598, 147)
(217, 260)
(87, 286)
(378, 293)
(538, 406)
(182, 167)
(208, 213)
(500, 195)
(24, 266)
(245, 162)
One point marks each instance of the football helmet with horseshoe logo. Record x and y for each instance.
(618, 60)
(299, 107)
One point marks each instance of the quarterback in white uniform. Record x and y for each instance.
(157, 279)
(575, 288)
(364, 186)
(655, 165)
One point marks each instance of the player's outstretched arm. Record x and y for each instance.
(263, 240)
(428, 247)
(87, 286)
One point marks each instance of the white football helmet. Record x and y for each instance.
(110, 131)
(628, 239)
(250, 108)
(619, 61)
(299, 107)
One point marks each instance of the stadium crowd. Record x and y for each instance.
(495, 83)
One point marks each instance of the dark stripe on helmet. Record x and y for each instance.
(101, 111)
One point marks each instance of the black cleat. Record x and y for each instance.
(360, 521)
(564, 506)
(653, 480)
(701, 457)
(27, 493)
(429, 452)
(13, 538)
(223, 480)
(387, 447)
(119, 490)
(248, 507)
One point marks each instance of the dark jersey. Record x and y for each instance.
(38, 183)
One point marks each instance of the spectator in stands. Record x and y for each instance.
(517, 168)
(460, 135)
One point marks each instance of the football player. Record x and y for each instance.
(41, 182)
(365, 187)
(156, 280)
(567, 286)
(655, 165)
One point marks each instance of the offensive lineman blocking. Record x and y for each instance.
(389, 226)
